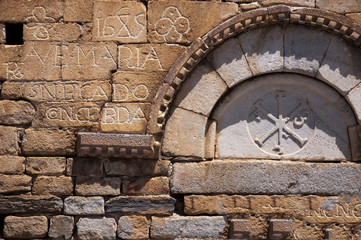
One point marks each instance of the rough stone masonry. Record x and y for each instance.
(180, 119)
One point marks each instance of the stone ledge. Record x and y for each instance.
(116, 145)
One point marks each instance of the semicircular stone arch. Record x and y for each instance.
(309, 61)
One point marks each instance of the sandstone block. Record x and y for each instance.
(16, 112)
(124, 22)
(14, 183)
(84, 206)
(148, 57)
(45, 165)
(78, 11)
(124, 117)
(239, 229)
(157, 205)
(133, 227)
(39, 61)
(280, 228)
(48, 142)
(10, 56)
(146, 186)
(339, 6)
(297, 57)
(201, 91)
(236, 70)
(53, 185)
(9, 140)
(86, 167)
(96, 228)
(33, 11)
(356, 17)
(67, 115)
(12, 164)
(30, 204)
(187, 227)
(263, 56)
(97, 186)
(61, 227)
(354, 98)
(263, 177)
(306, 3)
(88, 61)
(123, 167)
(180, 21)
(181, 138)
(136, 86)
(68, 32)
(160, 167)
(25, 227)
(58, 91)
(339, 67)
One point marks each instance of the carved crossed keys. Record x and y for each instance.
(298, 116)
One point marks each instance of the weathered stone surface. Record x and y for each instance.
(300, 59)
(12, 164)
(249, 6)
(356, 17)
(124, 22)
(96, 228)
(39, 61)
(45, 165)
(155, 205)
(122, 167)
(2, 34)
(58, 91)
(310, 208)
(16, 112)
(182, 138)
(124, 117)
(146, 186)
(67, 115)
(68, 32)
(33, 11)
(97, 186)
(14, 183)
(187, 227)
(339, 67)
(280, 228)
(69, 166)
(354, 133)
(61, 227)
(265, 177)
(179, 22)
(48, 142)
(30, 204)
(339, 5)
(88, 61)
(25, 227)
(9, 140)
(10, 55)
(354, 98)
(306, 3)
(315, 120)
(236, 70)
(86, 167)
(263, 49)
(160, 167)
(78, 11)
(84, 205)
(239, 229)
(136, 86)
(148, 57)
(53, 185)
(201, 90)
(133, 227)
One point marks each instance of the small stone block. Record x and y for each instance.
(25, 227)
(96, 228)
(280, 228)
(133, 227)
(84, 205)
(61, 227)
(239, 229)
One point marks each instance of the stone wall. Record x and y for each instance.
(180, 119)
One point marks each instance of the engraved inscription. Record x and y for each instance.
(40, 30)
(280, 122)
(120, 21)
(122, 92)
(172, 25)
(13, 71)
(140, 58)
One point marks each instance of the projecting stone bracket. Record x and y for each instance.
(116, 145)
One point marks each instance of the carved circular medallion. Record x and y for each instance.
(280, 122)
